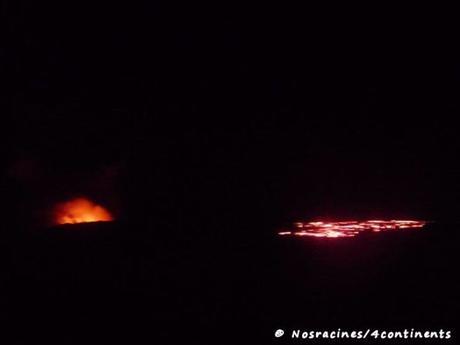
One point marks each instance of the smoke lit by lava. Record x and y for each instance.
(79, 210)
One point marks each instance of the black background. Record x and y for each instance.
(210, 128)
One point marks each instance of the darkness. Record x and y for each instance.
(209, 129)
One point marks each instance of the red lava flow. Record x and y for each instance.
(349, 228)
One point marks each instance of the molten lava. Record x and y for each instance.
(80, 210)
(349, 228)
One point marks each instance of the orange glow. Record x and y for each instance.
(349, 228)
(80, 210)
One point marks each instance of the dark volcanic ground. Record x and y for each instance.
(103, 283)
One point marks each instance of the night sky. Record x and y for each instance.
(244, 118)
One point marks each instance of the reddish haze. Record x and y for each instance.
(79, 210)
(349, 228)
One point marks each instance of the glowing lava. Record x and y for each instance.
(349, 228)
(80, 210)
